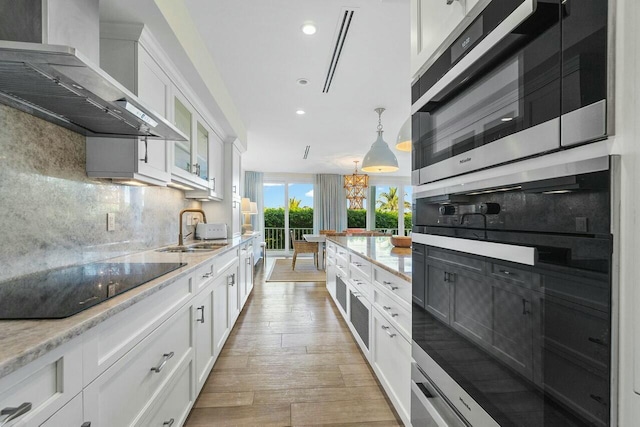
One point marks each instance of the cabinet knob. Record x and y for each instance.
(165, 359)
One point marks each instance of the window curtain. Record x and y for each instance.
(329, 203)
(253, 189)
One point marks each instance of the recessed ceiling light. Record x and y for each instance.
(299, 112)
(302, 81)
(309, 28)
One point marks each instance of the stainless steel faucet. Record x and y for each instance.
(204, 220)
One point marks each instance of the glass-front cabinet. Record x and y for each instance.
(193, 159)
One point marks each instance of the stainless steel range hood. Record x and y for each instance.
(58, 84)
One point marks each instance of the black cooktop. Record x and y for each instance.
(59, 293)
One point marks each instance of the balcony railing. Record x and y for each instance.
(275, 238)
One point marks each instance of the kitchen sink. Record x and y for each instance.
(194, 248)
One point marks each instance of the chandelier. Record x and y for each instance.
(356, 186)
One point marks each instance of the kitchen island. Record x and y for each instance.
(370, 282)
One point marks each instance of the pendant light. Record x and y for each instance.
(380, 158)
(356, 185)
(403, 142)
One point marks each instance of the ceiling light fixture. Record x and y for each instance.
(299, 112)
(380, 158)
(356, 185)
(403, 142)
(309, 28)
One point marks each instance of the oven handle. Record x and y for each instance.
(424, 390)
(502, 251)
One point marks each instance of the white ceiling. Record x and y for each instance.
(261, 51)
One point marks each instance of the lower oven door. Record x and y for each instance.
(428, 407)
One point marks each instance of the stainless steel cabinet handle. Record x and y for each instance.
(231, 279)
(13, 413)
(213, 181)
(86, 424)
(207, 275)
(394, 314)
(386, 329)
(507, 272)
(165, 359)
(393, 288)
(168, 423)
(386, 307)
(201, 319)
(357, 264)
(234, 189)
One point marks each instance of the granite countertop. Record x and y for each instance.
(380, 251)
(25, 340)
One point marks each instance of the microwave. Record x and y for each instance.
(524, 78)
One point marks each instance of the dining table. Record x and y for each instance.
(320, 239)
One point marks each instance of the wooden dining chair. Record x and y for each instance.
(303, 247)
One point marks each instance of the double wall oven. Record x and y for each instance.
(525, 77)
(512, 313)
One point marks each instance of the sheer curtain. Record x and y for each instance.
(253, 186)
(329, 203)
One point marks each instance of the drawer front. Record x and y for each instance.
(331, 248)
(342, 256)
(70, 415)
(469, 263)
(517, 276)
(392, 362)
(360, 266)
(362, 284)
(47, 383)
(204, 275)
(175, 401)
(110, 340)
(393, 285)
(119, 396)
(342, 267)
(222, 262)
(395, 313)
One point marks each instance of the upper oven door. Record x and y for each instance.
(503, 106)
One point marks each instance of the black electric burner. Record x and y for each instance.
(59, 293)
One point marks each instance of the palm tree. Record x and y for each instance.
(388, 202)
(294, 203)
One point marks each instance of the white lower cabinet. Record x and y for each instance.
(203, 335)
(70, 415)
(122, 394)
(391, 361)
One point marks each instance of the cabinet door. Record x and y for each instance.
(331, 279)
(216, 166)
(233, 297)
(201, 152)
(204, 345)
(391, 359)
(70, 415)
(471, 312)
(432, 21)
(221, 324)
(359, 310)
(154, 89)
(182, 149)
(437, 292)
(235, 170)
(513, 309)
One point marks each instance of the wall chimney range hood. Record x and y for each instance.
(57, 84)
(44, 73)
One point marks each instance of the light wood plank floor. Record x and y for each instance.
(291, 360)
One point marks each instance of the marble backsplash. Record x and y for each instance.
(53, 215)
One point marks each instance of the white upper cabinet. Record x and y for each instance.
(209, 164)
(432, 23)
(130, 62)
